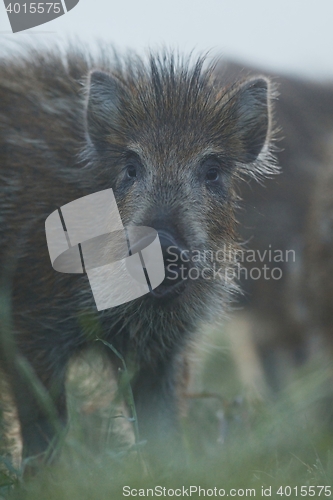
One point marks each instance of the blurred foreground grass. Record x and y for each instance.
(234, 439)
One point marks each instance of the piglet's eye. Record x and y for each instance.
(131, 171)
(212, 175)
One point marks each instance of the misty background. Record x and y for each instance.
(289, 36)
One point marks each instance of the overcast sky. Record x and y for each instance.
(284, 35)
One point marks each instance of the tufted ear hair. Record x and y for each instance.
(250, 112)
(105, 93)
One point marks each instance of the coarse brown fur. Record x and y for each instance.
(67, 131)
(275, 216)
(316, 279)
(318, 265)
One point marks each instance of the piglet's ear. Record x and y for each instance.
(249, 107)
(105, 93)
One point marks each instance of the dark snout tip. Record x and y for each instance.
(175, 268)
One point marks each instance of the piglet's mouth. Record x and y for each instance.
(169, 289)
(176, 270)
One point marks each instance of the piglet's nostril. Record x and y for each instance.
(171, 250)
(175, 267)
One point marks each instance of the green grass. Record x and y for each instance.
(233, 439)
